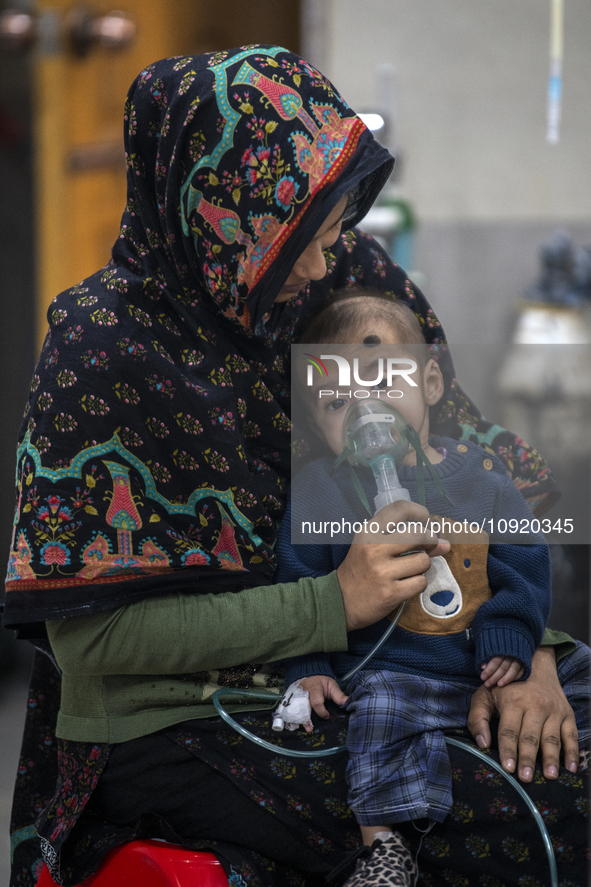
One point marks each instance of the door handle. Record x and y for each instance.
(85, 30)
(18, 30)
(80, 31)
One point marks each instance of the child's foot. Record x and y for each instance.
(389, 864)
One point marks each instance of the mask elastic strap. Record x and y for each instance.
(358, 486)
(422, 459)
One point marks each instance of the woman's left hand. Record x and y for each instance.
(533, 714)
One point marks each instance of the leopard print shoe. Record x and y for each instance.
(389, 864)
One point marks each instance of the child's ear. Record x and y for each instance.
(433, 385)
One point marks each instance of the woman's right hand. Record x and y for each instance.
(374, 578)
(533, 714)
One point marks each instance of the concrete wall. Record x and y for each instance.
(470, 93)
(470, 135)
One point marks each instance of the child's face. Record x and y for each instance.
(328, 411)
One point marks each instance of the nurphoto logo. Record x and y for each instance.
(391, 366)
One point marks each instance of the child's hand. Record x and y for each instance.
(321, 687)
(501, 670)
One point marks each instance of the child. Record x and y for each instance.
(480, 618)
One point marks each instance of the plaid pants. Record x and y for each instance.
(399, 766)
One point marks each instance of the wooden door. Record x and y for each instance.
(79, 164)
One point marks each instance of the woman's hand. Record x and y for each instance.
(533, 713)
(321, 687)
(374, 578)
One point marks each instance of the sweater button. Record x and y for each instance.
(462, 448)
(488, 464)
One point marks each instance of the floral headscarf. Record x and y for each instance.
(155, 451)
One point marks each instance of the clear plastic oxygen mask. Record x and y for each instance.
(375, 436)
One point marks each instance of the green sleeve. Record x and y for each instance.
(180, 634)
(563, 643)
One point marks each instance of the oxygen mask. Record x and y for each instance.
(375, 435)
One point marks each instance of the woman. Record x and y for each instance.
(153, 467)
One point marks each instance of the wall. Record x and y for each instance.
(17, 270)
(470, 99)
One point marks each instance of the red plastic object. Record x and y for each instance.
(152, 864)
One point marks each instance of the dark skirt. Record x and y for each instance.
(274, 820)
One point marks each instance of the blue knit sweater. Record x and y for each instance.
(510, 623)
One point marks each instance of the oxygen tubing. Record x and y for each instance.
(262, 695)
(521, 791)
(270, 746)
(292, 753)
(321, 753)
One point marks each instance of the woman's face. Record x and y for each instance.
(311, 265)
